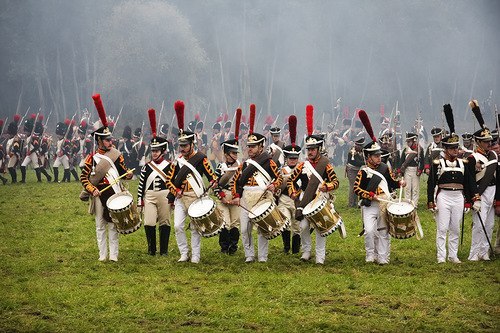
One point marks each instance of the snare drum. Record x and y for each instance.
(401, 219)
(206, 217)
(123, 212)
(269, 220)
(324, 217)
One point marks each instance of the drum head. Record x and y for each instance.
(259, 209)
(400, 208)
(119, 201)
(200, 207)
(313, 206)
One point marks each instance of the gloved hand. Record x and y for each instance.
(476, 206)
(432, 207)
(466, 207)
(473, 104)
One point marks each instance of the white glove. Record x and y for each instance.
(476, 206)
(466, 210)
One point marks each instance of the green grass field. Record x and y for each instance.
(51, 280)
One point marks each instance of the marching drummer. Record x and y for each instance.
(255, 181)
(226, 171)
(100, 169)
(286, 204)
(373, 184)
(447, 185)
(317, 178)
(186, 184)
(152, 192)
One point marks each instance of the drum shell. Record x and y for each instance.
(324, 218)
(209, 224)
(271, 223)
(401, 226)
(126, 219)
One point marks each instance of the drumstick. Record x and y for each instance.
(383, 200)
(116, 180)
(400, 192)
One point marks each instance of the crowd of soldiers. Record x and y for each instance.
(272, 166)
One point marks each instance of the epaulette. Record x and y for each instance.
(436, 161)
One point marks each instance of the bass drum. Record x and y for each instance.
(269, 220)
(323, 215)
(206, 217)
(401, 218)
(123, 212)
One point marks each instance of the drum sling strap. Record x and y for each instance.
(312, 185)
(228, 175)
(375, 180)
(185, 170)
(250, 169)
(485, 176)
(153, 175)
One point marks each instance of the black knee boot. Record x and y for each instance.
(13, 175)
(46, 174)
(151, 239)
(23, 174)
(295, 244)
(3, 179)
(286, 241)
(224, 240)
(38, 175)
(73, 172)
(66, 177)
(164, 236)
(234, 237)
(56, 174)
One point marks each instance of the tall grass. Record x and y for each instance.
(51, 280)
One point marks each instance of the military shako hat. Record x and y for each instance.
(436, 131)
(292, 151)
(230, 145)
(359, 140)
(158, 143)
(411, 136)
(275, 130)
(255, 139)
(372, 148)
(451, 141)
(467, 136)
(483, 134)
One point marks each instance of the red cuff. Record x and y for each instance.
(236, 195)
(399, 170)
(222, 194)
(178, 190)
(467, 205)
(372, 194)
(427, 166)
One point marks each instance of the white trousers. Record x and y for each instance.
(180, 214)
(33, 159)
(479, 246)
(248, 200)
(306, 241)
(102, 241)
(286, 205)
(64, 160)
(412, 189)
(450, 205)
(377, 238)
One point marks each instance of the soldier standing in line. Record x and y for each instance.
(411, 167)
(484, 165)
(450, 190)
(434, 148)
(152, 192)
(286, 204)
(275, 149)
(226, 171)
(355, 160)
